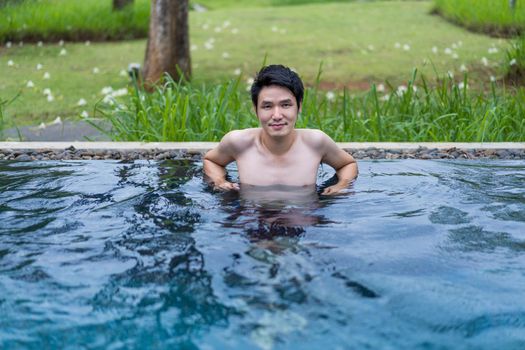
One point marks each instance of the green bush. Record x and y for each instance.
(495, 17)
(448, 112)
(53, 20)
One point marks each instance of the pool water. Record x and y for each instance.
(118, 255)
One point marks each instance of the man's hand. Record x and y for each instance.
(226, 186)
(332, 190)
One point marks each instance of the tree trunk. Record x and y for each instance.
(120, 4)
(168, 48)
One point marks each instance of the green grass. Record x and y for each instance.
(515, 61)
(489, 16)
(448, 112)
(53, 20)
(355, 41)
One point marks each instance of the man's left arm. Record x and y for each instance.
(344, 164)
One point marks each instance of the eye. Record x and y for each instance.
(286, 105)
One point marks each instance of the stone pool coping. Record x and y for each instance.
(166, 150)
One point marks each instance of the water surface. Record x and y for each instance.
(116, 255)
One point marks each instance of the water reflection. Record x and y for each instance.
(274, 217)
(169, 280)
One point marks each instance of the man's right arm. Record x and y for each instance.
(215, 161)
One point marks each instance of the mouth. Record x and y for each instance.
(277, 126)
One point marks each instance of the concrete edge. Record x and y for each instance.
(199, 147)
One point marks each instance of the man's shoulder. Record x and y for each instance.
(313, 137)
(241, 139)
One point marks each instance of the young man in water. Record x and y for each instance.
(277, 153)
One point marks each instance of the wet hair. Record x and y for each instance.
(276, 74)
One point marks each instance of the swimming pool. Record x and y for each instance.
(118, 255)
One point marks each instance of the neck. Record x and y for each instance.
(278, 145)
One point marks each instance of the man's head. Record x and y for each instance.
(279, 75)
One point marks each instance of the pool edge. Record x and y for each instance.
(199, 147)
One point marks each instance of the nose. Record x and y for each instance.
(276, 113)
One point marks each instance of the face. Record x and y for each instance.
(277, 110)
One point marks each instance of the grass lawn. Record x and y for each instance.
(358, 43)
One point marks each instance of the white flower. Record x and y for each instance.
(385, 97)
(61, 43)
(40, 44)
(88, 43)
(8, 44)
(397, 45)
(81, 102)
(39, 66)
(50, 98)
(460, 43)
(330, 96)
(193, 47)
(57, 120)
(123, 73)
(275, 29)
(249, 81)
(380, 88)
(30, 84)
(109, 100)
(42, 126)
(447, 51)
(218, 29)
(96, 70)
(63, 52)
(47, 75)
(106, 90)
(455, 56)
(208, 45)
(485, 61)
(10, 63)
(513, 62)
(463, 68)
(226, 24)
(84, 114)
(492, 50)
(492, 78)
(46, 91)
(237, 71)
(371, 47)
(450, 74)
(462, 85)
(120, 92)
(205, 26)
(225, 55)
(406, 47)
(401, 89)
(235, 30)
(434, 49)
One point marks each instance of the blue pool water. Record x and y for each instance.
(114, 255)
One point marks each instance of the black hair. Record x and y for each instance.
(277, 74)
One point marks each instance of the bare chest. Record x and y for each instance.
(298, 168)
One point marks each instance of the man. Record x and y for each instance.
(276, 153)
